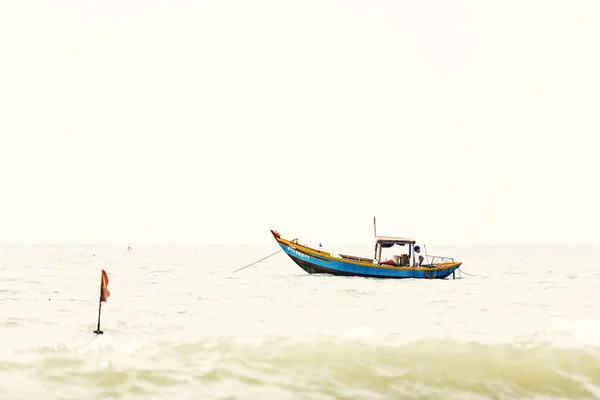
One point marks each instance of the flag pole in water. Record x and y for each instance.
(104, 293)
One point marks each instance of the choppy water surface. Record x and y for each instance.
(180, 325)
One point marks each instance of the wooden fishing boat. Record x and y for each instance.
(315, 261)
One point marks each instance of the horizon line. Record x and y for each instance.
(125, 244)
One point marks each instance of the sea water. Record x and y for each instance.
(179, 324)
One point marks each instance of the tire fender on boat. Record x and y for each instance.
(434, 273)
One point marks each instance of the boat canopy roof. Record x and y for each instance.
(389, 241)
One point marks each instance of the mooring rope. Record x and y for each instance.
(239, 269)
(462, 272)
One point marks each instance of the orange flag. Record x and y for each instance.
(104, 292)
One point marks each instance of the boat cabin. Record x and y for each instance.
(382, 242)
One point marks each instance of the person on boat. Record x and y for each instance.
(418, 257)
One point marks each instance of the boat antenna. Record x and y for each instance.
(374, 227)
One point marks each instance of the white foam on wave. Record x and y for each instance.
(578, 335)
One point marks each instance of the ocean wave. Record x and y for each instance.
(314, 367)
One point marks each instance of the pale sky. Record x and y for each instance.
(463, 122)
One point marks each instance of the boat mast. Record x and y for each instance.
(375, 236)
(374, 227)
